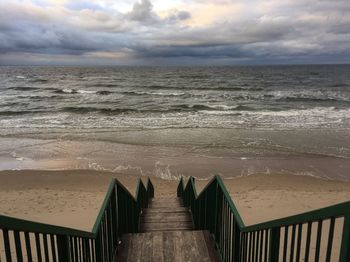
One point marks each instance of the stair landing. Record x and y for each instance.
(166, 234)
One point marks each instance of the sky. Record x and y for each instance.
(177, 32)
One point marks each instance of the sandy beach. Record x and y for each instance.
(65, 197)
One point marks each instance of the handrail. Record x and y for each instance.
(11, 223)
(335, 211)
(103, 207)
(285, 239)
(119, 214)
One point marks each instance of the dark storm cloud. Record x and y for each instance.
(293, 31)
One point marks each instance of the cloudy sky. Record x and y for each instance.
(153, 32)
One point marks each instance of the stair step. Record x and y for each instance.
(163, 203)
(165, 246)
(166, 226)
(166, 217)
(165, 210)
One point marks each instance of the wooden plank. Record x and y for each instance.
(164, 205)
(134, 253)
(158, 247)
(165, 210)
(167, 217)
(173, 226)
(179, 252)
(189, 249)
(175, 201)
(146, 248)
(168, 247)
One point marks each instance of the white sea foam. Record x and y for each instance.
(86, 91)
(68, 90)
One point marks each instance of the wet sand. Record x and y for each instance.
(165, 161)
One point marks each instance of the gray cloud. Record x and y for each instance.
(142, 12)
(297, 31)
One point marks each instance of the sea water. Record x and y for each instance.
(172, 121)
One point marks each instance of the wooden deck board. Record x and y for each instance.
(166, 217)
(171, 246)
(167, 236)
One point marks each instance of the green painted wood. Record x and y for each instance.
(274, 245)
(46, 248)
(212, 209)
(345, 242)
(266, 249)
(18, 246)
(53, 248)
(38, 247)
(7, 246)
(330, 239)
(300, 234)
(63, 248)
(220, 220)
(28, 246)
(308, 239)
(292, 244)
(339, 210)
(318, 240)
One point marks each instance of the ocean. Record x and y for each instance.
(173, 121)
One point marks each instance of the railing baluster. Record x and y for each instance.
(53, 248)
(261, 237)
(76, 252)
(242, 247)
(285, 243)
(292, 243)
(330, 239)
(18, 246)
(46, 248)
(237, 240)
(345, 242)
(5, 234)
(250, 254)
(63, 248)
(254, 250)
(98, 247)
(274, 245)
(246, 255)
(38, 247)
(308, 239)
(266, 244)
(28, 246)
(227, 234)
(300, 232)
(318, 240)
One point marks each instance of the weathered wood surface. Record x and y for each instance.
(165, 215)
(166, 235)
(179, 246)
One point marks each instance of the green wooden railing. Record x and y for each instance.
(22, 240)
(319, 235)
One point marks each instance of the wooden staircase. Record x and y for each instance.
(165, 215)
(166, 234)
